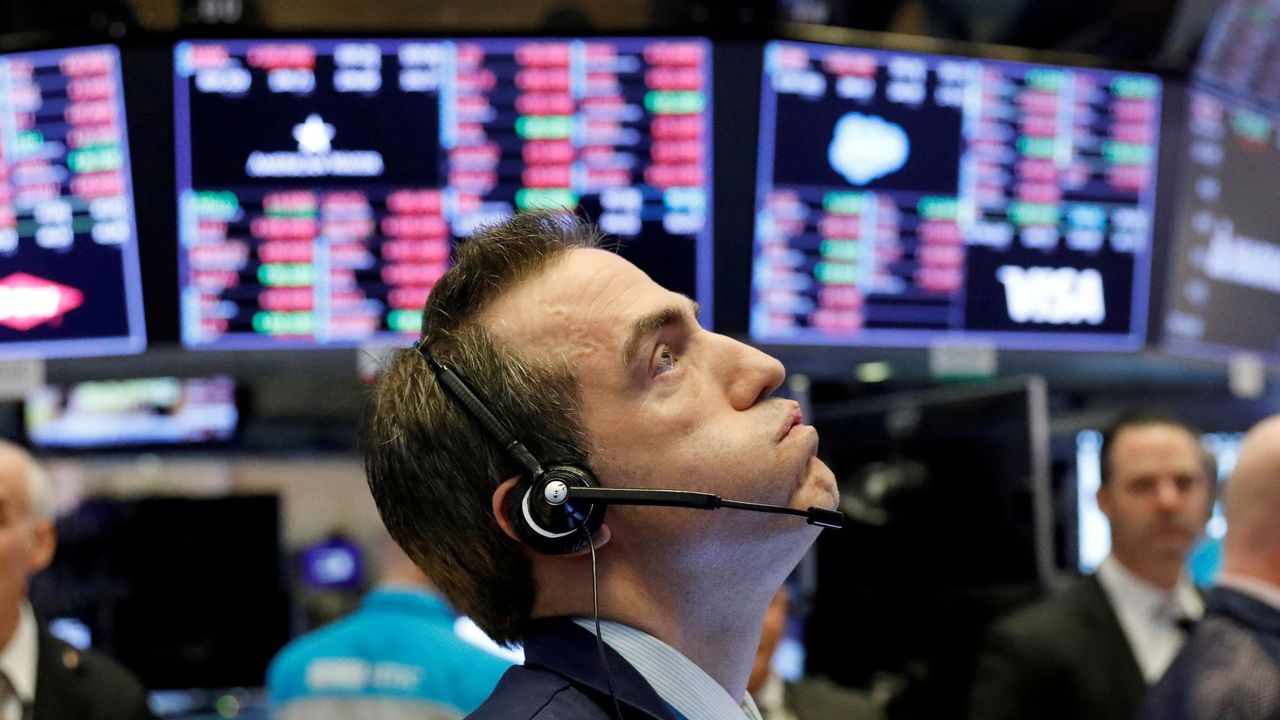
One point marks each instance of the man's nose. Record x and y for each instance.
(751, 375)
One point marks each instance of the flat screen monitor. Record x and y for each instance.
(1241, 52)
(1223, 295)
(904, 198)
(322, 184)
(947, 495)
(70, 283)
(1093, 534)
(185, 592)
(141, 411)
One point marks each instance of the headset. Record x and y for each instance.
(561, 506)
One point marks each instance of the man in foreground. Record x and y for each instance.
(587, 361)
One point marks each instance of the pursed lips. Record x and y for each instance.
(793, 418)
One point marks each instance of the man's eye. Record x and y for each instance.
(666, 360)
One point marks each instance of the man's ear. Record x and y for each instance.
(44, 539)
(501, 498)
(1103, 498)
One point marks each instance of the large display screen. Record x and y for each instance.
(1241, 52)
(69, 277)
(1224, 293)
(904, 197)
(322, 184)
(140, 411)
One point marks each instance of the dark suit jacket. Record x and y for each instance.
(562, 679)
(1229, 668)
(73, 684)
(1062, 658)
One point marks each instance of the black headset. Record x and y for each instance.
(539, 508)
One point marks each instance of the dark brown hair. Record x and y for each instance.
(431, 469)
(1138, 419)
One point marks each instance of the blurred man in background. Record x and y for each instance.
(1091, 651)
(397, 656)
(41, 677)
(1230, 667)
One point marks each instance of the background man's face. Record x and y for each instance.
(25, 544)
(665, 403)
(1158, 496)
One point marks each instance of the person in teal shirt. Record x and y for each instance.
(398, 656)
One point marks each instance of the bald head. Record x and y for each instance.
(1252, 504)
(26, 483)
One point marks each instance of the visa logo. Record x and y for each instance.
(1055, 296)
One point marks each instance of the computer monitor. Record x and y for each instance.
(322, 184)
(1223, 295)
(947, 495)
(69, 277)
(139, 411)
(1093, 534)
(1241, 51)
(185, 592)
(904, 198)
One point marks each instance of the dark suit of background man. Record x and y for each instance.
(587, 360)
(1230, 667)
(1091, 651)
(41, 677)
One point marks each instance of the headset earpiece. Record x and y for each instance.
(546, 520)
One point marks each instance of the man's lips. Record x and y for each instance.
(793, 419)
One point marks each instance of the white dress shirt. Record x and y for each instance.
(1150, 615)
(18, 663)
(771, 698)
(687, 688)
(1260, 590)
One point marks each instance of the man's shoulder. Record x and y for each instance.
(526, 693)
(1224, 671)
(1046, 618)
(68, 675)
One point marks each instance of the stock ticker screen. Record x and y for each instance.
(1224, 295)
(322, 184)
(1241, 51)
(70, 282)
(905, 198)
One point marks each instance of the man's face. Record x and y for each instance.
(666, 404)
(1158, 495)
(26, 546)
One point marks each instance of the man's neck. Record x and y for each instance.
(713, 616)
(1163, 575)
(10, 616)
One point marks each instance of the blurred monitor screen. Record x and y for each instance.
(1241, 51)
(69, 277)
(322, 184)
(1224, 293)
(904, 196)
(946, 492)
(186, 593)
(1093, 542)
(334, 563)
(145, 411)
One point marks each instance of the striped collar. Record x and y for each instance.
(687, 688)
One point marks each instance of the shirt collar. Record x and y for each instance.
(19, 657)
(687, 688)
(1130, 591)
(1259, 590)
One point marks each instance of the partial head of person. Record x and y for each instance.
(27, 535)
(1157, 492)
(589, 364)
(1252, 506)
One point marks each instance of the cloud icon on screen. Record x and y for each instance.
(865, 147)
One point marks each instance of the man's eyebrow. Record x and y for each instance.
(646, 325)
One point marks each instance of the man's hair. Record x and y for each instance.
(432, 470)
(1139, 419)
